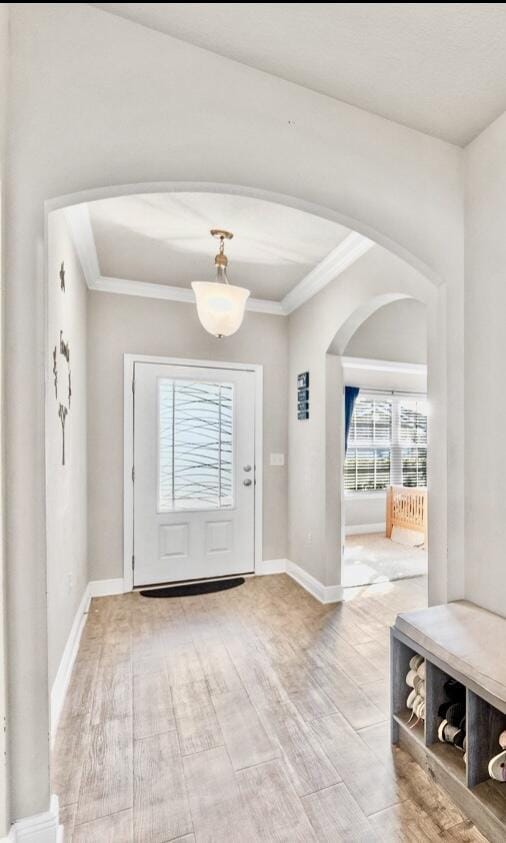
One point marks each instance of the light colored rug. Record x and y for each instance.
(372, 558)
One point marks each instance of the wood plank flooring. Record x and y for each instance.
(256, 714)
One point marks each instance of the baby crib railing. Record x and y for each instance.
(406, 507)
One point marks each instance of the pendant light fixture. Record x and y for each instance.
(220, 305)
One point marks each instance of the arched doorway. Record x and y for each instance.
(349, 305)
(319, 333)
(335, 434)
(385, 375)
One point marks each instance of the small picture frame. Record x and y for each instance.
(303, 396)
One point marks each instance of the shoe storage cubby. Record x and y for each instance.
(467, 780)
(438, 698)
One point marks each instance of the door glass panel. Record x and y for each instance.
(195, 445)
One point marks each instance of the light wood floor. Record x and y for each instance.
(252, 715)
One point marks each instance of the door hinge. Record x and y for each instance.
(133, 385)
(133, 474)
(133, 562)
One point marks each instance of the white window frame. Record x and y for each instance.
(403, 446)
(396, 446)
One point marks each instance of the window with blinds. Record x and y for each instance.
(367, 464)
(387, 443)
(413, 441)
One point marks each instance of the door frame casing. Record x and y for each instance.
(128, 453)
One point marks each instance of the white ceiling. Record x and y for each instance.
(164, 239)
(437, 67)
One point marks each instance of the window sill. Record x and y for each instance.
(361, 496)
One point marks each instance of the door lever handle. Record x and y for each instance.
(246, 482)
(246, 468)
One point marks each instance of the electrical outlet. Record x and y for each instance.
(277, 459)
(309, 538)
(69, 579)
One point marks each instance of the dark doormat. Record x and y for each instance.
(190, 589)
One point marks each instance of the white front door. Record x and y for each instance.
(194, 469)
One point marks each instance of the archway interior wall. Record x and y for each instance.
(325, 324)
(134, 121)
(485, 352)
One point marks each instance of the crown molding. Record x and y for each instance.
(372, 365)
(79, 223)
(78, 219)
(81, 231)
(349, 250)
(127, 287)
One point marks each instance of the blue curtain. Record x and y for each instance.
(350, 396)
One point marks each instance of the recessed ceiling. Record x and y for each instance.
(437, 67)
(163, 238)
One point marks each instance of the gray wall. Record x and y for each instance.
(66, 497)
(124, 324)
(397, 331)
(485, 353)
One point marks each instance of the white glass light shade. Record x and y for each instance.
(220, 307)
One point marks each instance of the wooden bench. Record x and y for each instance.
(465, 642)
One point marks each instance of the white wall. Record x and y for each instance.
(396, 332)
(99, 101)
(66, 485)
(485, 352)
(364, 511)
(125, 324)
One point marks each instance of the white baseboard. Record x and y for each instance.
(271, 566)
(40, 828)
(62, 679)
(95, 588)
(322, 593)
(104, 588)
(359, 529)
